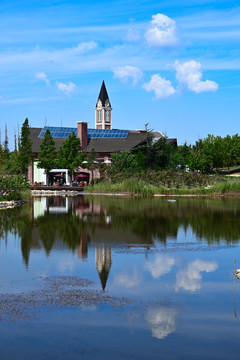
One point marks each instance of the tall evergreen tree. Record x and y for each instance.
(25, 148)
(47, 155)
(5, 145)
(69, 154)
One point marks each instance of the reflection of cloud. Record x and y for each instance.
(162, 321)
(127, 280)
(190, 278)
(160, 266)
(66, 265)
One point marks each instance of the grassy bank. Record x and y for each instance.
(202, 185)
(24, 195)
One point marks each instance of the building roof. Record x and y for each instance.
(101, 144)
(103, 95)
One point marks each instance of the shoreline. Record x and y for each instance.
(10, 204)
(125, 194)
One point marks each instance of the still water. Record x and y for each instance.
(115, 278)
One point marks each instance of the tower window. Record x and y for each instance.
(107, 116)
(99, 115)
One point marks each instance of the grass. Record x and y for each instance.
(211, 186)
(25, 195)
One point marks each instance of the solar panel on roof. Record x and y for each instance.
(60, 132)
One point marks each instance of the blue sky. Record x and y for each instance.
(173, 64)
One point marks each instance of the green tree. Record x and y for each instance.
(5, 148)
(47, 155)
(69, 154)
(160, 155)
(12, 164)
(25, 148)
(91, 163)
(231, 150)
(12, 186)
(125, 162)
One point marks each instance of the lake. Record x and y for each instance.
(120, 278)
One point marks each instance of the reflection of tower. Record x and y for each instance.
(83, 246)
(103, 258)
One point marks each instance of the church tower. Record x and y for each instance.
(103, 110)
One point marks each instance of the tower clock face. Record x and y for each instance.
(106, 103)
(99, 104)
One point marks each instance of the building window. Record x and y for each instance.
(107, 115)
(99, 115)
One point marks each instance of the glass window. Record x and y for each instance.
(99, 115)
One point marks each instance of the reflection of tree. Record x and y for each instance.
(138, 221)
(18, 222)
(213, 220)
(65, 227)
(45, 232)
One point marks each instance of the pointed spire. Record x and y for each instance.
(103, 95)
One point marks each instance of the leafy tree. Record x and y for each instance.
(124, 162)
(69, 154)
(25, 148)
(231, 149)
(160, 155)
(47, 155)
(12, 186)
(91, 163)
(12, 164)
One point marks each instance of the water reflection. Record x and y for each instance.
(103, 223)
(162, 321)
(160, 266)
(190, 278)
(129, 279)
(103, 259)
(159, 255)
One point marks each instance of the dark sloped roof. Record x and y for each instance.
(100, 145)
(103, 95)
(115, 145)
(36, 141)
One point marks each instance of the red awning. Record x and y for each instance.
(81, 176)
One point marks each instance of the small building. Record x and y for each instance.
(103, 139)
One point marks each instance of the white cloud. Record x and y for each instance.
(190, 278)
(160, 266)
(43, 77)
(162, 32)
(132, 35)
(127, 73)
(129, 280)
(162, 321)
(162, 87)
(67, 89)
(64, 57)
(189, 73)
(85, 46)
